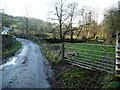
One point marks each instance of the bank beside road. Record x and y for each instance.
(9, 46)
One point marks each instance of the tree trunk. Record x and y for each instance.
(71, 35)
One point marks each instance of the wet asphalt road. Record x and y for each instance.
(26, 69)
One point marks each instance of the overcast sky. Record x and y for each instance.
(40, 8)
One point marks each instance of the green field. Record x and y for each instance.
(91, 53)
(90, 48)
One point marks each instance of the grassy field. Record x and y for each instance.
(91, 50)
(90, 46)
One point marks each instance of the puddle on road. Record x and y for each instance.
(11, 62)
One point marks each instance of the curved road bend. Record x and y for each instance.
(26, 69)
(6, 29)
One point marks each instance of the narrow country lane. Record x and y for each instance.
(26, 69)
(6, 29)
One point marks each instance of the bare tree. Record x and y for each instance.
(72, 15)
(83, 20)
(68, 15)
(26, 23)
(26, 17)
(61, 14)
(64, 14)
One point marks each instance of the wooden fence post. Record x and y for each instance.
(63, 50)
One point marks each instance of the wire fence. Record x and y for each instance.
(91, 56)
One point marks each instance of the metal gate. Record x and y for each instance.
(91, 56)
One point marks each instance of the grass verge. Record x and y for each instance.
(50, 56)
(10, 51)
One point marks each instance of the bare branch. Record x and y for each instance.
(57, 13)
(74, 29)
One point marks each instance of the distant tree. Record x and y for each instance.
(111, 23)
(72, 15)
(26, 22)
(7, 21)
(26, 18)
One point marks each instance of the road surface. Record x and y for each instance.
(6, 29)
(26, 69)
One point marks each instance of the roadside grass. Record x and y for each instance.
(81, 78)
(10, 51)
(51, 55)
(46, 51)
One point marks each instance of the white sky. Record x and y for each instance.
(40, 8)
